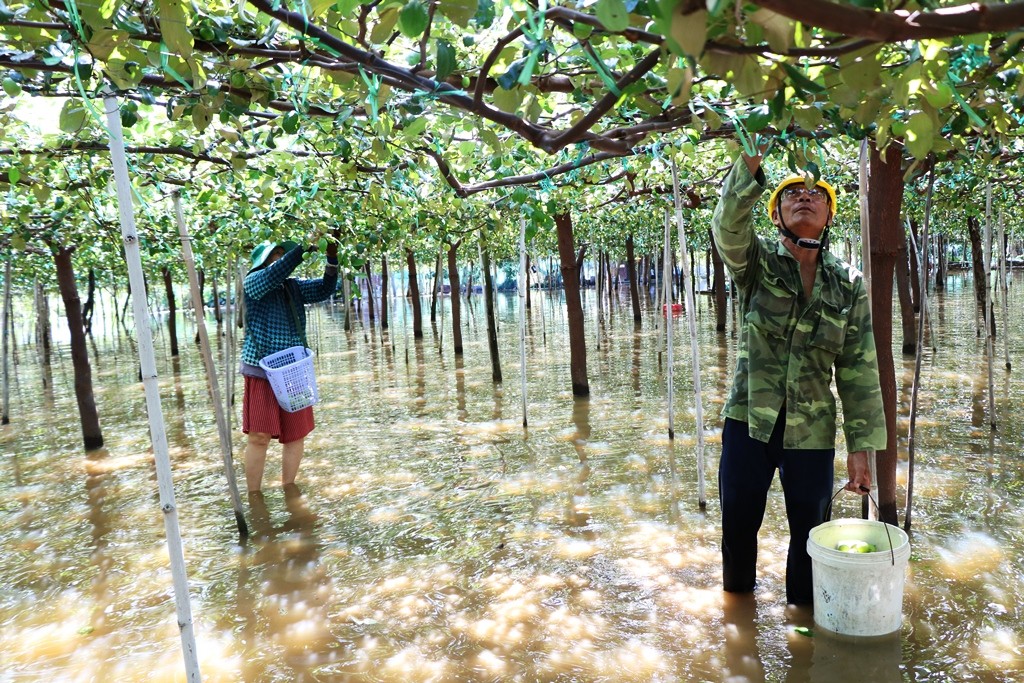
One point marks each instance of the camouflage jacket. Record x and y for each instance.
(788, 344)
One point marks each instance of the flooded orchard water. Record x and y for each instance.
(431, 538)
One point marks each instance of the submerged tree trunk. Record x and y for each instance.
(414, 295)
(91, 434)
(885, 200)
(218, 314)
(43, 336)
(907, 318)
(718, 285)
(453, 279)
(90, 302)
(370, 306)
(384, 292)
(940, 266)
(436, 288)
(528, 304)
(492, 329)
(573, 305)
(978, 265)
(634, 289)
(172, 312)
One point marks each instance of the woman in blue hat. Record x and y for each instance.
(275, 319)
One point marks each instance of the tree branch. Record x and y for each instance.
(891, 27)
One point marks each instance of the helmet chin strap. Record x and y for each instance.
(803, 242)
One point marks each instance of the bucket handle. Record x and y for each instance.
(828, 516)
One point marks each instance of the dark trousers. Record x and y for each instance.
(745, 474)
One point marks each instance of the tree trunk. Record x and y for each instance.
(436, 289)
(469, 283)
(453, 279)
(92, 436)
(579, 259)
(90, 302)
(977, 261)
(370, 306)
(492, 329)
(634, 289)
(172, 312)
(528, 303)
(573, 305)
(940, 267)
(43, 336)
(414, 295)
(718, 285)
(384, 292)
(907, 318)
(218, 315)
(885, 200)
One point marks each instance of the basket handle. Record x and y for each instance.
(828, 516)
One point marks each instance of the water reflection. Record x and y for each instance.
(435, 540)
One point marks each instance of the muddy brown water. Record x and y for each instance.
(431, 538)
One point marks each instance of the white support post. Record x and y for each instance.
(522, 311)
(691, 316)
(989, 341)
(147, 359)
(223, 431)
(667, 312)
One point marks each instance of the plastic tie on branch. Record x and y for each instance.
(373, 82)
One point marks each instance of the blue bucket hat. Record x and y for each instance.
(263, 251)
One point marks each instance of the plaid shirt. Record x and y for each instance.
(789, 344)
(269, 322)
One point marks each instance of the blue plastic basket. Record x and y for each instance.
(290, 373)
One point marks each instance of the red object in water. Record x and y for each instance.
(676, 309)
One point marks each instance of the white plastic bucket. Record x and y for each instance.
(858, 594)
(290, 373)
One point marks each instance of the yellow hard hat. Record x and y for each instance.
(793, 180)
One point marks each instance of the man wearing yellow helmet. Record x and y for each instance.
(805, 315)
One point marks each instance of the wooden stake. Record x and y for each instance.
(211, 371)
(923, 275)
(691, 316)
(5, 418)
(147, 360)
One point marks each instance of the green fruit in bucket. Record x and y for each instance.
(855, 547)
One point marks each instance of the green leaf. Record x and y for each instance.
(385, 25)
(459, 11)
(13, 175)
(415, 127)
(758, 119)
(860, 71)
(12, 87)
(778, 29)
(919, 134)
(290, 123)
(690, 31)
(613, 14)
(72, 116)
(801, 82)
(174, 27)
(445, 59)
(413, 19)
